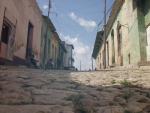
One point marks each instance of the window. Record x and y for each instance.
(53, 51)
(49, 48)
(6, 30)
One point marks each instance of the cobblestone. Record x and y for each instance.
(25, 90)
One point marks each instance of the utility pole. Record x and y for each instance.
(80, 65)
(92, 64)
(49, 7)
(105, 19)
(46, 37)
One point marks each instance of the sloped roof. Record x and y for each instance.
(99, 38)
(51, 25)
(113, 15)
(98, 44)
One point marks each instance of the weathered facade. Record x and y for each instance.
(46, 35)
(51, 48)
(55, 45)
(127, 35)
(20, 27)
(68, 59)
(97, 47)
(62, 52)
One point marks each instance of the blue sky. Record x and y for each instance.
(76, 22)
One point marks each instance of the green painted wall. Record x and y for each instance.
(45, 41)
(142, 35)
(134, 19)
(143, 22)
(134, 43)
(131, 34)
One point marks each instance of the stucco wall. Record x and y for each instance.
(54, 51)
(23, 11)
(133, 35)
(127, 17)
(46, 41)
(68, 56)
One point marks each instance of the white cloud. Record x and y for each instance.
(45, 7)
(82, 52)
(89, 25)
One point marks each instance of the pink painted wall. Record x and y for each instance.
(23, 11)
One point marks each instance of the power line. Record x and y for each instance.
(107, 13)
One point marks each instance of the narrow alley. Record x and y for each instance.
(24, 90)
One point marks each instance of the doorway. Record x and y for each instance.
(5, 35)
(113, 47)
(107, 45)
(29, 51)
(119, 40)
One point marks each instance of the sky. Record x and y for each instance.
(77, 22)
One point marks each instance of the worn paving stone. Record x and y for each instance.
(35, 109)
(25, 90)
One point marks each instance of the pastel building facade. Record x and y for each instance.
(127, 36)
(20, 31)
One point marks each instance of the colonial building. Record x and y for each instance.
(46, 37)
(55, 43)
(62, 52)
(20, 31)
(127, 35)
(96, 52)
(68, 59)
(50, 45)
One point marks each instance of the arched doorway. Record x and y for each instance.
(113, 47)
(119, 42)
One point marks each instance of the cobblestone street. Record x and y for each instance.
(25, 90)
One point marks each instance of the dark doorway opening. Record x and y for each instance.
(119, 40)
(113, 47)
(129, 58)
(107, 45)
(29, 51)
(5, 35)
(6, 29)
(100, 60)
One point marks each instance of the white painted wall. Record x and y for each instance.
(68, 56)
(148, 43)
